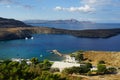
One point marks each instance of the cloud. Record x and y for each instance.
(89, 6)
(85, 8)
(8, 4)
(27, 6)
(6, 1)
(89, 1)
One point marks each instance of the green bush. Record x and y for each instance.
(101, 69)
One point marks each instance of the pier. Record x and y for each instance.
(57, 52)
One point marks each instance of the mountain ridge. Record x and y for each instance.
(67, 21)
(7, 23)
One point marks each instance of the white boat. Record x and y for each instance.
(41, 55)
(32, 37)
(26, 38)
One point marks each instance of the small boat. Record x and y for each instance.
(41, 55)
(26, 38)
(32, 37)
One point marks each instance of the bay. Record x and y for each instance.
(41, 44)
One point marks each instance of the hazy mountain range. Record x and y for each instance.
(70, 21)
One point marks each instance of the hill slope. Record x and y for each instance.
(7, 23)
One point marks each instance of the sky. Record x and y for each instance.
(103, 11)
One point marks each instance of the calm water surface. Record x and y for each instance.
(81, 26)
(41, 44)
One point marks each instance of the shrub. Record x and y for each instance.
(79, 57)
(101, 62)
(54, 70)
(101, 69)
(111, 70)
(89, 65)
(71, 70)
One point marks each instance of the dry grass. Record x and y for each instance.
(110, 58)
(104, 77)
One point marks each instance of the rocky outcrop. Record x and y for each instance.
(11, 29)
(9, 34)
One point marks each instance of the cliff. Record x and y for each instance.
(14, 33)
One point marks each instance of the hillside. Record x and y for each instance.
(110, 58)
(7, 23)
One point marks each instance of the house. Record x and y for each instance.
(20, 60)
(70, 59)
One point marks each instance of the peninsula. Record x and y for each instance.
(13, 29)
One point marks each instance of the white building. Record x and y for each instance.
(94, 68)
(62, 65)
(20, 60)
(70, 59)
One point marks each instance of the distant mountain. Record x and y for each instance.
(71, 21)
(4, 22)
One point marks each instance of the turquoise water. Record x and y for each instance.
(41, 44)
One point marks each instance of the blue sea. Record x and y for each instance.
(43, 43)
(81, 26)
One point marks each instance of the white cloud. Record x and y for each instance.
(58, 8)
(7, 4)
(85, 8)
(6, 1)
(89, 1)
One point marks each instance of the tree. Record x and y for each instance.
(101, 69)
(34, 60)
(54, 70)
(67, 71)
(46, 64)
(79, 57)
(84, 69)
(89, 65)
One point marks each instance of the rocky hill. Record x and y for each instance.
(110, 58)
(7, 23)
(11, 29)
